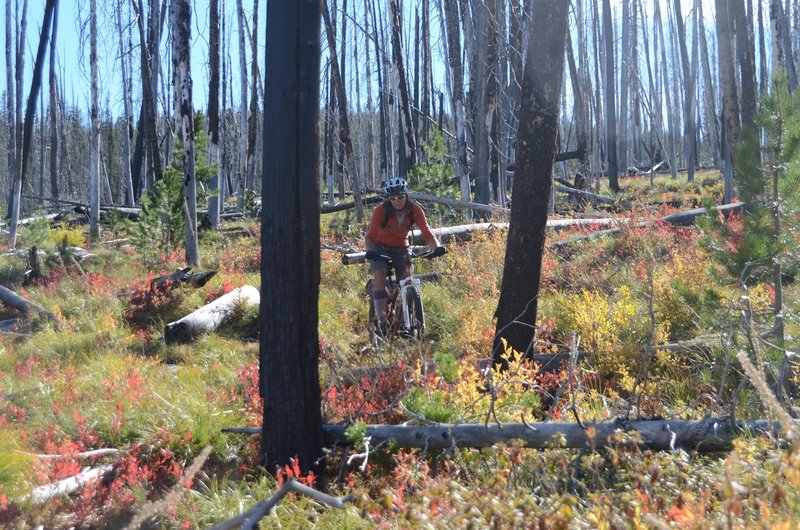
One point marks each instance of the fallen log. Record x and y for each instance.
(251, 517)
(211, 316)
(679, 219)
(341, 206)
(461, 233)
(688, 217)
(11, 324)
(42, 494)
(586, 195)
(180, 277)
(130, 213)
(702, 344)
(706, 436)
(459, 204)
(12, 299)
(94, 453)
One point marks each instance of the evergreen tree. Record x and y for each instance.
(161, 226)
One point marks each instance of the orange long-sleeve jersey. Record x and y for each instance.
(395, 234)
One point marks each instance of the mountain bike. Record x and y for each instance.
(405, 314)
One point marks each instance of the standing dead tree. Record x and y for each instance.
(242, 166)
(53, 112)
(407, 127)
(181, 21)
(215, 201)
(610, 99)
(344, 121)
(536, 149)
(94, 141)
(30, 110)
(290, 222)
(148, 118)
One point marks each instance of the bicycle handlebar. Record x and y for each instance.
(375, 255)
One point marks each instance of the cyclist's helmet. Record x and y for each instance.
(396, 186)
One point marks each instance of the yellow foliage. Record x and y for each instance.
(65, 236)
(671, 310)
(604, 325)
(505, 393)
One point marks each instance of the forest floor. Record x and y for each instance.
(104, 378)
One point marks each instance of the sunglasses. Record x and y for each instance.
(396, 197)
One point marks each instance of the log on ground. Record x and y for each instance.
(182, 276)
(679, 219)
(461, 233)
(708, 435)
(211, 316)
(12, 299)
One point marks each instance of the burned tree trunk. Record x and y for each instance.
(181, 15)
(457, 74)
(252, 114)
(689, 73)
(94, 141)
(148, 119)
(730, 100)
(215, 201)
(53, 112)
(344, 121)
(405, 102)
(611, 112)
(288, 319)
(536, 148)
(30, 110)
(128, 113)
(242, 166)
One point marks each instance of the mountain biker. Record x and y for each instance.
(388, 234)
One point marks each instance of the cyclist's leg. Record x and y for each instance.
(379, 294)
(402, 264)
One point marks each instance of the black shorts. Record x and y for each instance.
(401, 259)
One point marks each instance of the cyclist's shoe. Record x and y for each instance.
(403, 331)
(381, 327)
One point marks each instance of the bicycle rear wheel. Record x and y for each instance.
(415, 314)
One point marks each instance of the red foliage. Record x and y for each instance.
(26, 368)
(99, 283)
(249, 379)
(148, 301)
(293, 471)
(376, 396)
(212, 293)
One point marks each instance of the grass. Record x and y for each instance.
(106, 379)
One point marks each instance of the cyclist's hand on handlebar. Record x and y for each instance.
(371, 254)
(438, 251)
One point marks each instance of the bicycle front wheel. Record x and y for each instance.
(416, 316)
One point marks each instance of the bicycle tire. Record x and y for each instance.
(415, 313)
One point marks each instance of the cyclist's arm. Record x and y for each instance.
(374, 224)
(431, 241)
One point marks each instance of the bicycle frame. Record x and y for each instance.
(409, 316)
(400, 312)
